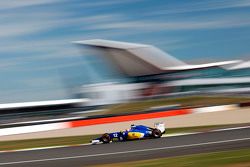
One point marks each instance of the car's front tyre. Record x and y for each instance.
(105, 138)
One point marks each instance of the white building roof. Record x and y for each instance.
(109, 43)
(241, 66)
(139, 59)
(215, 64)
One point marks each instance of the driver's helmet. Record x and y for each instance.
(132, 126)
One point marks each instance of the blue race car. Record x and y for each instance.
(135, 132)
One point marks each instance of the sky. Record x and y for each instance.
(38, 60)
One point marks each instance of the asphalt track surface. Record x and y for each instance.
(80, 156)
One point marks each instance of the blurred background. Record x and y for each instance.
(64, 60)
(50, 51)
(39, 62)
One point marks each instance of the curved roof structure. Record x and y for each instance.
(133, 59)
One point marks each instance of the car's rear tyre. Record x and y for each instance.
(156, 133)
(105, 138)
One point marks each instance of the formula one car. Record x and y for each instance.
(135, 132)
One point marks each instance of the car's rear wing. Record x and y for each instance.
(160, 126)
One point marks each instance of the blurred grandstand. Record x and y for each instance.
(148, 73)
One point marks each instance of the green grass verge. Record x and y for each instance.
(190, 101)
(234, 158)
(59, 141)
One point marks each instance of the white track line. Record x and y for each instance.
(44, 148)
(122, 152)
(85, 144)
(165, 135)
(180, 134)
(235, 128)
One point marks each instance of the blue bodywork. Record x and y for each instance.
(135, 132)
(121, 136)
